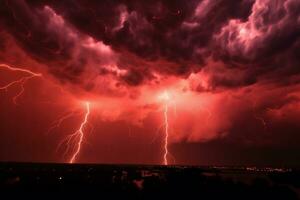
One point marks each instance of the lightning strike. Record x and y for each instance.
(165, 96)
(166, 134)
(79, 134)
(21, 81)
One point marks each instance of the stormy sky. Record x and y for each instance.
(230, 68)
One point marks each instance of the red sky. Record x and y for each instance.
(230, 70)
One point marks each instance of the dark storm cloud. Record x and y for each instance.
(266, 43)
(271, 28)
(175, 31)
(47, 38)
(260, 38)
(29, 27)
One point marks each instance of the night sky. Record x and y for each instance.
(228, 72)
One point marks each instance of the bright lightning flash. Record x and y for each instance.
(166, 98)
(79, 134)
(21, 81)
(77, 137)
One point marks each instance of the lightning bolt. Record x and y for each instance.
(75, 138)
(166, 134)
(166, 98)
(73, 142)
(21, 81)
(79, 134)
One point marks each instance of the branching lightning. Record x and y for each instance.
(57, 123)
(166, 98)
(73, 141)
(75, 138)
(79, 134)
(21, 81)
(166, 134)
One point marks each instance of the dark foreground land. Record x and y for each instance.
(55, 181)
